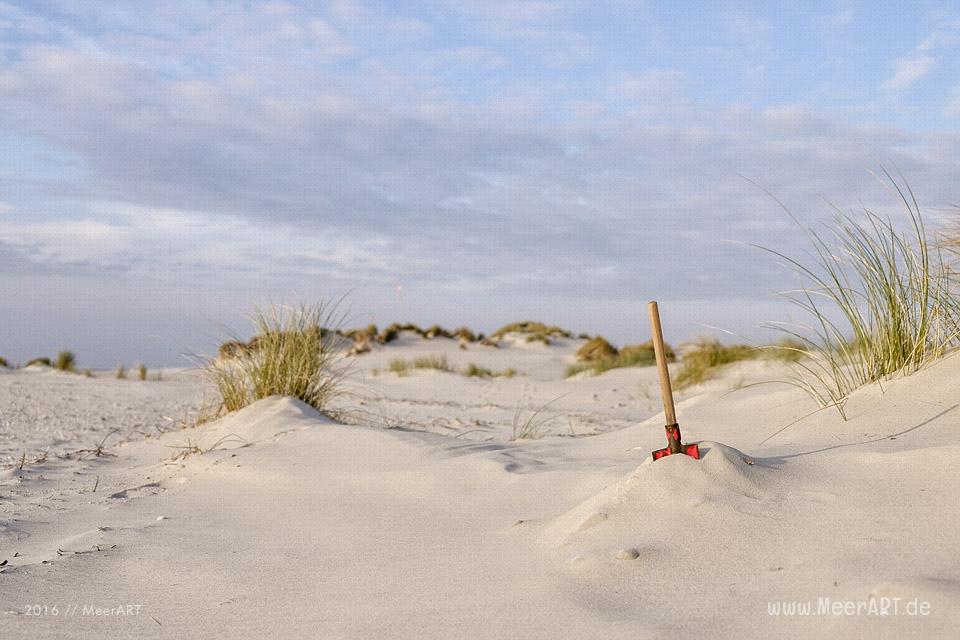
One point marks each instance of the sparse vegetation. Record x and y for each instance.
(474, 370)
(530, 327)
(41, 361)
(531, 427)
(66, 361)
(702, 359)
(87, 373)
(634, 355)
(892, 291)
(192, 446)
(463, 333)
(432, 362)
(596, 349)
(399, 366)
(3, 363)
(294, 357)
(121, 372)
(141, 372)
(436, 331)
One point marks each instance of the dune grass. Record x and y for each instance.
(634, 355)
(439, 363)
(399, 366)
(3, 363)
(66, 361)
(531, 427)
(473, 370)
(538, 329)
(121, 372)
(141, 372)
(880, 299)
(701, 361)
(596, 349)
(293, 357)
(42, 360)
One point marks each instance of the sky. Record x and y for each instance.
(165, 166)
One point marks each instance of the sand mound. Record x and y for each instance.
(269, 418)
(658, 493)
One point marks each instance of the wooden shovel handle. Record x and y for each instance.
(665, 389)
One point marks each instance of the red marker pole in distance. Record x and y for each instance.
(674, 445)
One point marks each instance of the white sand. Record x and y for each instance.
(441, 527)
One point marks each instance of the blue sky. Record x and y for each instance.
(166, 165)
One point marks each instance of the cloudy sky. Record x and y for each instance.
(166, 165)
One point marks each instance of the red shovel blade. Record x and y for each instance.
(691, 450)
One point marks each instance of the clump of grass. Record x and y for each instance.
(294, 357)
(141, 372)
(701, 361)
(474, 370)
(43, 361)
(3, 363)
(432, 362)
(66, 361)
(389, 334)
(596, 349)
(634, 355)
(892, 294)
(538, 337)
(87, 373)
(436, 331)
(531, 427)
(530, 327)
(399, 366)
(464, 333)
(121, 372)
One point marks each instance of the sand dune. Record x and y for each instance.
(433, 523)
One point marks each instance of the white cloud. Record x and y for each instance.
(909, 70)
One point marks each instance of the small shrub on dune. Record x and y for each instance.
(141, 372)
(432, 362)
(596, 349)
(66, 361)
(41, 361)
(3, 363)
(121, 372)
(295, 357)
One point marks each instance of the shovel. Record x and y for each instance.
(672, 428)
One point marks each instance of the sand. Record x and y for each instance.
(422, 518)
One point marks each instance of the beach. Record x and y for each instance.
(417, 513)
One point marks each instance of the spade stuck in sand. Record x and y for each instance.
(674, 444)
